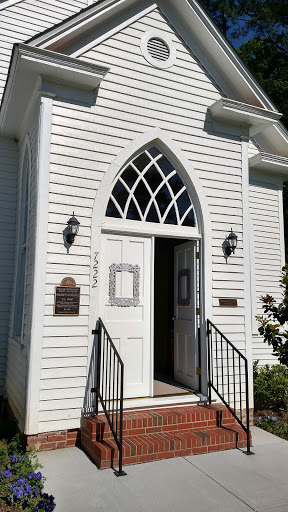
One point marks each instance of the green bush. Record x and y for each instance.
(277, 426)
(271, 387)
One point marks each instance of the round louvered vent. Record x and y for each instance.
(158, 49)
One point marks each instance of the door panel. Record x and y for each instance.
(185, 327)
(129, 326)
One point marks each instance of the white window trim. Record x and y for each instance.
(20, 228)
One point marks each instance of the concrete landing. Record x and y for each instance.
(226, 481)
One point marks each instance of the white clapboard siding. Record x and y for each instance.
(134, 97)
(8, 199)
(265, 214)
(25, 19)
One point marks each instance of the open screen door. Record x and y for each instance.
(126, 306)
(185, 325)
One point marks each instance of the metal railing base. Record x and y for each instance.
(248, 453)
(120, 473)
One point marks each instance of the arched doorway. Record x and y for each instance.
(149, 292)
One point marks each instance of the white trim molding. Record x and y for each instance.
(255, 118)
(247, 263)
(269, 163)
(39, 274)
(27, 66)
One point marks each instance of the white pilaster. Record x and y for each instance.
(247, 263)
(40, 257)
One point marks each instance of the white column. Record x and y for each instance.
(247, 264)
(39, 276)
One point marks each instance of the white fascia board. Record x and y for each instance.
(27, 66)
(6, 4)
(236, 112)
(80, 23)
(269, 163)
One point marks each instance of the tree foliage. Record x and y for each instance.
(272, 325)
(264, 23)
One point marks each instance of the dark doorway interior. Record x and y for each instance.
(164, 308)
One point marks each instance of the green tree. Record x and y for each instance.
(276, 317)
(266, 52)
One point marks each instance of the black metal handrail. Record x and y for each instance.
(228, 377)
(109, 386)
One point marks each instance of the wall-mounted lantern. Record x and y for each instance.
(73, 229)
(231, 242)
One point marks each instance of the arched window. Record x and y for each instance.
(22, 246)
(150, 189)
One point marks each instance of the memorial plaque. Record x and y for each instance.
(232, 303)
(67, 298)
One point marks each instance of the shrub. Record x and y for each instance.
(21, 482)
(276, 425)
(273, 326)
(271, 387)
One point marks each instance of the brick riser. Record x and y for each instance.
(161, 434)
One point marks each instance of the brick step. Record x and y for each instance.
(163, 445)
(162, 433)
(161, 420)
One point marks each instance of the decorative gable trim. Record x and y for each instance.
(255, 118)
(28, 68)
(268, 162)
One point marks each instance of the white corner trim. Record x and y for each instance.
(281, 225)
(232, 111)
(39, 275)
(247, 264)
(269, 162)
(157, 34)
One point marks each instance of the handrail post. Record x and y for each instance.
(209, 361)
(121, 472)
(98, 361)
(248, 452)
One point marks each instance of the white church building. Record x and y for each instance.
(136, 123)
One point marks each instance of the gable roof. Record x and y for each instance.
(100, 20)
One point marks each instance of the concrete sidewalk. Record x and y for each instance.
(226, 481)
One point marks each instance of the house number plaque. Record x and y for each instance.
(67, 298)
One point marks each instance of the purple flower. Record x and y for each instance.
(259, 417)
(274, 418)
(30, 475)
(13, 458)
(41, 504)
(38, 475)
(7, 473)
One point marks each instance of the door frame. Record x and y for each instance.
(147, 230)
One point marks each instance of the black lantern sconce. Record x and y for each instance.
(231, 243)
(72, 230)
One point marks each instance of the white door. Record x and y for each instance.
(126, 306)
(185, 325)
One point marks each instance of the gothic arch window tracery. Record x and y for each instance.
(150, 189)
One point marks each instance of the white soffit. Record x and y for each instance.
(28, 65)
(269, 163)
(255, 118)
